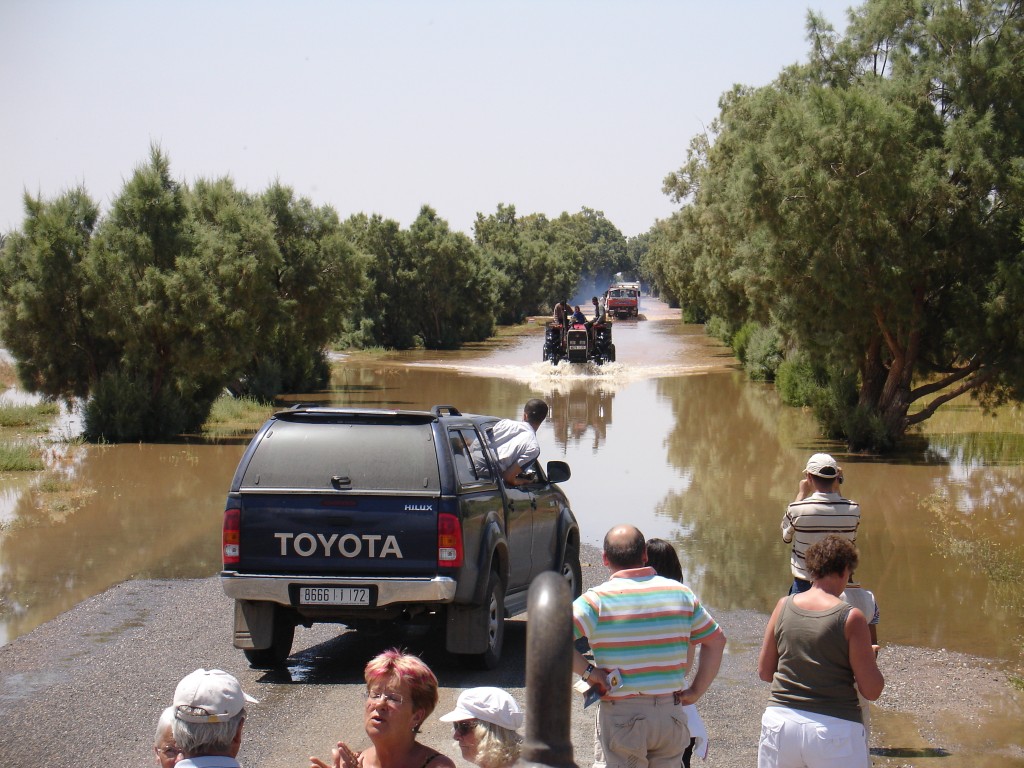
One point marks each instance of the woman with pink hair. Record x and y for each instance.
(401, 693)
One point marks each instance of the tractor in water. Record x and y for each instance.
(579, 343)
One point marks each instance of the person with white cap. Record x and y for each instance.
(209, 712)
(818, 510)
(484, 722)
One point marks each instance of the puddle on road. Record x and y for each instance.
(994, 740)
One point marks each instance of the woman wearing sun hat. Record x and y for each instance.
(484, 722)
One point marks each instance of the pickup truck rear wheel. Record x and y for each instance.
(280, 646)
(572, 572)
(494, 609)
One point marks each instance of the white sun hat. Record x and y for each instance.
(491, 705)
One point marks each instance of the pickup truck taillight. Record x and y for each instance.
(449, 541)
(232, 518)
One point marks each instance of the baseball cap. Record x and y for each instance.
(491, 705)
(209, 696)
(822, 465)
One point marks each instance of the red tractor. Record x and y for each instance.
(579, 343)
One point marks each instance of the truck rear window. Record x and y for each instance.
(339, 456)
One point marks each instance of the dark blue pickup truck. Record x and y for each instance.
(364, 517)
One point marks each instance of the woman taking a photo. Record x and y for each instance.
(815, 647)
(401, 692)
(484, 724)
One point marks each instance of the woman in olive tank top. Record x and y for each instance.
(815, 647)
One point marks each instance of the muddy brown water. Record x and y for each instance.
(670, 437)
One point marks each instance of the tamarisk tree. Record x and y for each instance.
(869, 204)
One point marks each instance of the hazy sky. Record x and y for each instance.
(383, 106)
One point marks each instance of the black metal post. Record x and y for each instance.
(548, 674)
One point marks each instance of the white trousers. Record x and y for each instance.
(791, 738)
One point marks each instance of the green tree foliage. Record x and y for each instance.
(637, 249)
(515, 263)
(176, 293)
(603, 250)
(585, 250)
(869, 205)
(669, 264)
(188, 296)
(46, 323)
(454, 300)
(319, 280)
(384, 317)
(427, 285)
(535, 261)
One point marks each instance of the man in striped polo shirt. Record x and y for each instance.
(817, 511)
(640, 627)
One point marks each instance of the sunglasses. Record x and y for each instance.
(462, 727)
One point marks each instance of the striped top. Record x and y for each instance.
(812, 519)
(642, 624)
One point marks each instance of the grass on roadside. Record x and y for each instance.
(19, 457)
(236, 415)
(34, 418)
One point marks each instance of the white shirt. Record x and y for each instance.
(208, 761)
(515, 442)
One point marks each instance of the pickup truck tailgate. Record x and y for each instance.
(338, 535)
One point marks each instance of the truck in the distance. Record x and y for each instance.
(623, 300)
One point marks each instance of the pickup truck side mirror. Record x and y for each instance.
(558, 472)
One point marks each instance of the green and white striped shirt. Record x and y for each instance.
(643, 624)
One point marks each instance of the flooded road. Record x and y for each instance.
(671, 437)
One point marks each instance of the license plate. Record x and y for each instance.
(334, 595)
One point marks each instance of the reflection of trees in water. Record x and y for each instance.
(981, 539)
(989, 497)
(726, 439)
(395, 384)
(735, 445)
(974, 449)
(585, 405)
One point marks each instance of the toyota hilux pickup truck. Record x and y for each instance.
(371, 517)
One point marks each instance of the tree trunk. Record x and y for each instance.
(896, 397)
(872, 376)
(885, 389)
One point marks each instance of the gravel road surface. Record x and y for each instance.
(86, 688)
